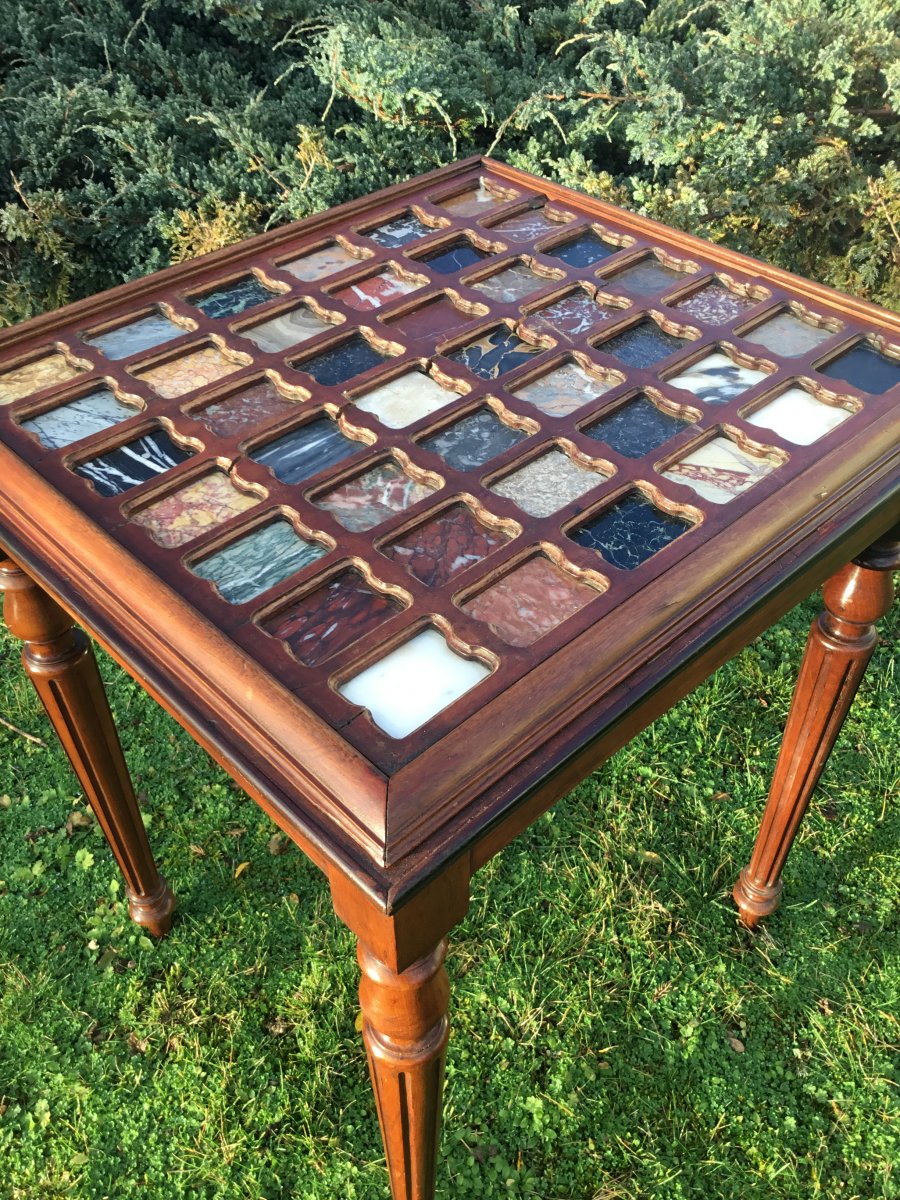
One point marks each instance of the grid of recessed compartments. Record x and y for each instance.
(434, 445)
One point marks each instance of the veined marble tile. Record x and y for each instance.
(433, 317)
(714, 304)
(636, 428)
(375, 291)
(799, 417)
(642, 345)
(331, 618)
(189, 372)
(866, 368)
(286, 330)
(548, 483)
(474, 440)
(321, 263)
(405, 399)
(448, 259)
(472, 202)
(142, 334)
(399, 231)
(126, 466)
(583, 250)
(647, 276)
(79, 418)
(572, 315)
(233, 298)
(49, 371)
(306, 450)
(193, 510)
(787, 335)
(513, 283)
(252, 564)
(368, 499)
(245, 411)
(720, 470)
(716, 379)
(527, 226)
(629, 531)
(530, 601)
(411, 684)
(563, 391)
(344, 361)
(494, 353)
(439, 550)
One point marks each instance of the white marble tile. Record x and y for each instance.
(719, 470)
(563, 391)
(405, 399)
(716, 379)
(413, 683)
(798, 417)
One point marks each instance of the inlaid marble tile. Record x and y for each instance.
(642, 345)
(235, 297)
(368, 499)
(584, 250)
(716, 379)
(79, 418)
(136, 462)
(647, 277)
(474, 440)
(439, 315)
(636, 428)
(406, 399)
(246, 410)
(320, 264)
(375, 291)
(344, 361)
(548, 483)
(259, 560)
(142, 334)
(189, 372)
(285, 330)
(799, 417)
(715, 304)
(530, 601)
(563, 391)
(495, 353)
(448, 259)
(439, 550)
(787, 335)
(572, 315)
(527, 226)
(720, 470)
(193, 510)
(46, 372)
(629, 531)
(513, 283)
(399, 231)
(471, 203)
(413, 683)
(866, 368)
(307, 450)
(331, 618)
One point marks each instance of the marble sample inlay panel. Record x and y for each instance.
(305, 451)
(136, 462)
(584, 250)
(189, 372)
(865, 368)
(572, 315)
(646, 277)
(440, 549)
(406, 399)
(247, 410)
(799, 417)
(494, 353)
(548, 483)
(413, 683)
(474, 201)
(320, 264)
(716, 378)
(331, 618)
(527, 226)
(629, 531)
(530, 601)
(787, 335)
(79, 419)
(513, 283)
(474, 440)
(142, 334)
(720, 470)
(287, 329)
(393, 234)
(435, 316)
(714, 304)
(446, 260)
(564, 390)
(235, 297)
(252, 564)
(375, 291)
(344, 361)
(193, 510)
(368, 499)
(642, 345)
(636, 428)
(46, 372)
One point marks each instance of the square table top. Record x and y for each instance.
(400, 506)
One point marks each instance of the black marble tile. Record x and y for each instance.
(234, 298)
(865, 368)
(305, 451)
(454, 257)
(642, 345)
(403, 229)
(134, 463)
(629, 531)
(341, 362)
(636, 428)
(584, 250)
(495, 353)
(474, 440)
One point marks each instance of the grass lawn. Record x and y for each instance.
(615, 1033)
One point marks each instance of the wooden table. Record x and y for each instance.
(412, 513)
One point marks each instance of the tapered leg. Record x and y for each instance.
(840, 645)
(61, 664)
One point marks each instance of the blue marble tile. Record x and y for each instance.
(79, 419)
(642, 345)
(584, 250)
(865, 368)
(403, 229)
(474, 440)
(134, 337)
(341, 362)
(306, 450)
(252, 564)
(233, 298)
(629, 531)
(136, 462)
(454, 257)
(495, 353)
(636, 428)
